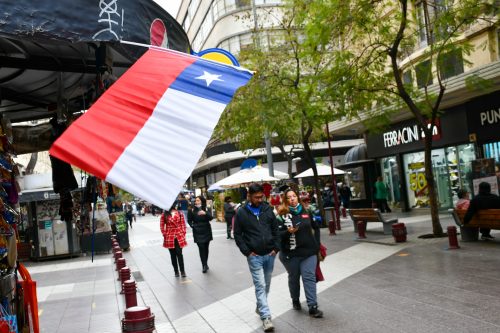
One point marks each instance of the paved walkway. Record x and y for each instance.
(371, 286)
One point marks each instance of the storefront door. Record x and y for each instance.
(392, 178)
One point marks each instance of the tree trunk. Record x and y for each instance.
(287, 156)
(310, 158)
(437, 229)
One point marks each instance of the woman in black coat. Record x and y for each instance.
(199, 220)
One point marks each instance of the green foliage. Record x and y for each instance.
(369, 43)
(288, 94)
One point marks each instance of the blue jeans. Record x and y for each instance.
(304, 267)
(261, 268)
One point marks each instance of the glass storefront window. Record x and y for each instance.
(452, 169)
(391, 176)
(492, 150)
(466, 154)
(415, 180)
(355, 178)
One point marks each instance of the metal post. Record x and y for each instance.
(267, 137)
(269, 154)
(334, 182)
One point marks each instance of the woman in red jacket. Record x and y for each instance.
(173, 228)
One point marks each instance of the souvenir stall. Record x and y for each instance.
(15, 295)
(49, 234)
(108, 217)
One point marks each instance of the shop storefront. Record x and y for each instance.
(483, 118)
(400, 158)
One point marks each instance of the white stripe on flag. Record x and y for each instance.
(170, 156)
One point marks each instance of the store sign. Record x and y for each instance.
(451, 128)
(490, 117)
(483, 117)
(410, 134)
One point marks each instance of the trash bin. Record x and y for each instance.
(399, 232)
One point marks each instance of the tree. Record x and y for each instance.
(285, 97)
(371, 42)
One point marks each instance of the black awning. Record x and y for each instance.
(52, 51)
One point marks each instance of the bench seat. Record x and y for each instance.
(371, 215)
(486, 218)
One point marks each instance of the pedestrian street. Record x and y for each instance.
(370, 286)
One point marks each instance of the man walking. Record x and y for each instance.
(256, 234)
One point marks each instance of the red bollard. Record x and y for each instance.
(138, 319)
(124, 274)
(337, 225)
(399, 232)
(129, 289)
(344, 212)
(452, 238)
(118, 254)
(361, 230)
(331, 227)
(120, 263)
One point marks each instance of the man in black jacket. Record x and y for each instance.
(484, 200)
(256, 234)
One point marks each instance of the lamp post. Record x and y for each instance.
(267, 137)
(336, 217)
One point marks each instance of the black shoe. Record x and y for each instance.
(315, 312)
(183, 274)
(176, 274)
(487, 237)
(205, 269)
(296, 304)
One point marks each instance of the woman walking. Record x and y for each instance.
(199, 220)
(173, 228)
(300, 239)
(229, 213)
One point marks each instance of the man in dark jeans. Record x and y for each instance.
(484, 200)
(256, 234)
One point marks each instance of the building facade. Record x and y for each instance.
(468, 126)
(230, 25)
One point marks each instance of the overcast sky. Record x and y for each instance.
(171, 6)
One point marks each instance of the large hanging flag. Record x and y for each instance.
(146, 133)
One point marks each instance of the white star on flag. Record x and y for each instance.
(209, 78)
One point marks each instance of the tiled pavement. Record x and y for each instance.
(374, 286)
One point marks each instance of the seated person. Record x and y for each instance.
(463, 199)
(484, 200)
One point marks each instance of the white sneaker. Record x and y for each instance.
(267, 325)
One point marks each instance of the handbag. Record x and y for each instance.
(321, 252)
(319, 274)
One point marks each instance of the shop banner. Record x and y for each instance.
(146, 133)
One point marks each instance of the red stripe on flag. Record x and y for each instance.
(97, 139)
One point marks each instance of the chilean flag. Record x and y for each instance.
(146, 133)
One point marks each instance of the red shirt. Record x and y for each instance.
(463, 204)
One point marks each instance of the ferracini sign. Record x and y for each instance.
(409, 134)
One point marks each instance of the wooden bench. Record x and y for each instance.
(487, 218)
(371, 215)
